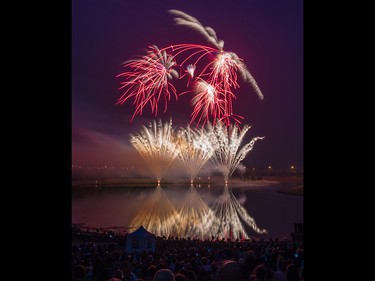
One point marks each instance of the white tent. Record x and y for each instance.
(140, 240)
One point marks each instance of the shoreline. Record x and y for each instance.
(266, 182)
(234, 183)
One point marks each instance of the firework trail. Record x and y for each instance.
(226, 142)
(224, 70)
(158, 215)
(148, 80)
(155, 144)
(187, 20)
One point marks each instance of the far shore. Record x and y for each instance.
(236, 182)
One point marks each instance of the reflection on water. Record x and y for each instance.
(114, 207)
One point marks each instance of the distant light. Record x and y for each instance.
(292, 167)
(269, 167)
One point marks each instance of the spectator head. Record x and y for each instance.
(260, 272)
(164, 275)
(214, 267)
(229, 271)
(180, 277)
(151, 270)
(292, 273)
(191, 275)
(119, 274)
(183, 271)
(300, 252)
(79, 272)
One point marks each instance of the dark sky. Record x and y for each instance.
(267, 35)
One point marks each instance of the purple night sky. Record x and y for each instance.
(267, 35)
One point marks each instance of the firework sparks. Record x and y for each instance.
(194, 150)
(208, 103)
(227, 156)
(148, 80)
(190, 69)
(159, 145)
(155, 144)
(222, 71)
(150, 76)
(187, 20)
(226, 142)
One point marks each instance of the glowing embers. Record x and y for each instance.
(158, 215)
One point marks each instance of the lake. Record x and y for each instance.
(112, 207)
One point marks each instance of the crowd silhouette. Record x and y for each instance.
(100, 256)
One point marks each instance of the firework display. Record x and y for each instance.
(148, 79)
(212, 75)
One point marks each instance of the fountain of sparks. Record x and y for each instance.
(226, 157)
(196, 218)
(194, 150)
(155, 144)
